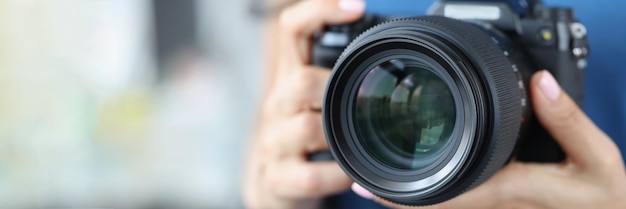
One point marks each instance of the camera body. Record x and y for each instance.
(419, 110)
(551, 36)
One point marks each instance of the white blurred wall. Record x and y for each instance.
(82, 123)
(233, 39)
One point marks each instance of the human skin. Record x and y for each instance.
(592, 176)
(290, 126)
(278, 176)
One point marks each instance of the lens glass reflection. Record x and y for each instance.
(404, 114)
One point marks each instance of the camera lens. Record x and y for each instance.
(420, 110)
(404, 114)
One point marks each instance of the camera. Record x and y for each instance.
(419, 110)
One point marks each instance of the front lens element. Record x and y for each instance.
(404, 114)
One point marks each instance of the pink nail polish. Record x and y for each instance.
(352, 5)
(362, 191)
(549, 87)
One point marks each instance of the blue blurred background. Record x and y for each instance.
(605, 97)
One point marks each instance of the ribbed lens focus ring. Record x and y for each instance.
(486, 95)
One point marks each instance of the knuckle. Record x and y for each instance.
(570, 117)
(286, 20)
(270, 148)
(270, 105)
(310, 181)
(304, 80)
(272, 181)
(309, 124)
(610, 158)
(505, 190)
(253, 195)
(293, 19)
(266, 148)
(277, 103)
(292, 92)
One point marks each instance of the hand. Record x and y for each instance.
(592, 176)
(290, 126)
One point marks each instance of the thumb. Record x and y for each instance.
(300, 21)
(306, 17)
(583, 142)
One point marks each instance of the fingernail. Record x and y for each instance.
(549, 86)
(352, 5)
(362, 191)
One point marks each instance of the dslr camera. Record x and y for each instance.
(421, 109)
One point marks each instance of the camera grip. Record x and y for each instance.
(320, 156)
(539, 147)
(325, 56)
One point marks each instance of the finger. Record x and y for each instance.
(485, 196)
(300, 90)
(517, 185)
(309, 86)
(482, 197)
(299, 22)
(584, 143)
(301, 135)
(299, 179)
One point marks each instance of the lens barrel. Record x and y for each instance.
(420, 110)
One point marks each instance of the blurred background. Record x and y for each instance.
(126, 103)
(141, 103)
